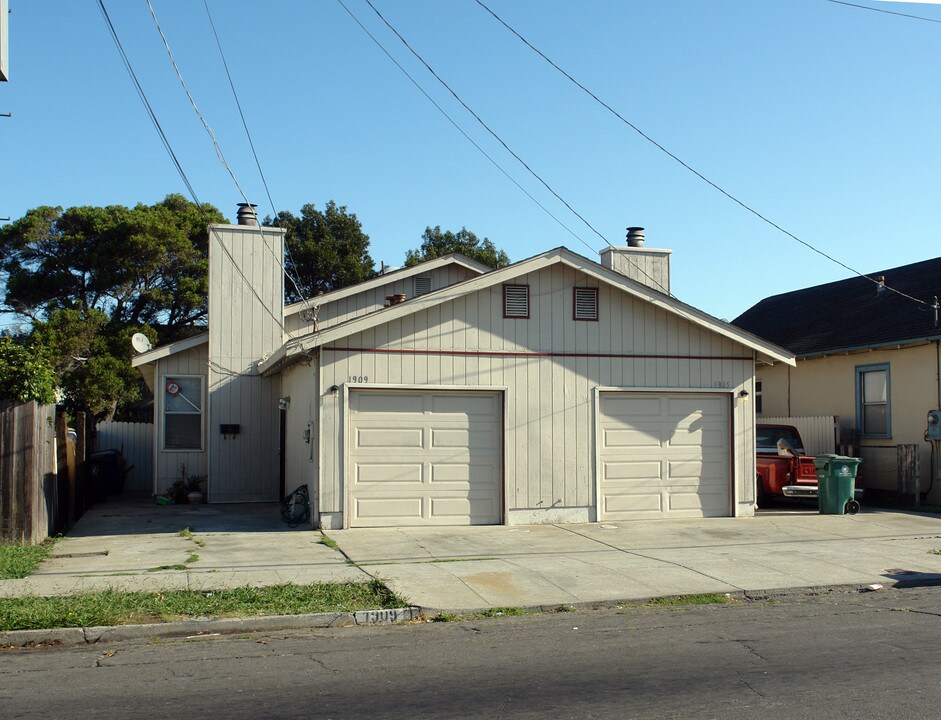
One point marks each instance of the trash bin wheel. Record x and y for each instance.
(852, 507)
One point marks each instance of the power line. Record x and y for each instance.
(143, 97)
(682, 162)
(484, 125)
(887, 12)
(219, 155)
(264, 181)
(461, 130)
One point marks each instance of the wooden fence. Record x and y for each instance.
(43, 471)
(136, 442)
(819, 433)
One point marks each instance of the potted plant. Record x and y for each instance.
(194, 489)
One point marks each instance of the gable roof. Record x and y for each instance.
(388, 277)
(167, 350)
(299, 346)
(851, 314)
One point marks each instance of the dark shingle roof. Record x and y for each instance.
(850, 313)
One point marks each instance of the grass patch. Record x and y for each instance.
(123, 608)
(505, 612)
(328, 541)
(187, 533)
(191, 559)
(20, 561)
(936, 552)
(679, 600)
(158, 568)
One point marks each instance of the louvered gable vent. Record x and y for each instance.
(516, 301)
(586, 303)
(422, 286)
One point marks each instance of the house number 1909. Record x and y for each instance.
(358, 379)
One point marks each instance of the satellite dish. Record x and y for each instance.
(141, 343)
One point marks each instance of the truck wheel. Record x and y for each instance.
(852, 507)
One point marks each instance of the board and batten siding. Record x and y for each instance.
(299, 383)
(363, 303)
(246, 291)
(550, 367)
(169, 465)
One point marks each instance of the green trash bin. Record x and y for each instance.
(836, 484)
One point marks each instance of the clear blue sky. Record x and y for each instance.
(822, 117)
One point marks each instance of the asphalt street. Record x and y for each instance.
(830, 655)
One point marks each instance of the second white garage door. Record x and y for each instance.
(425, 458)
(664, 455)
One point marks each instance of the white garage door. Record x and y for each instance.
(664, 455)
(425, 458)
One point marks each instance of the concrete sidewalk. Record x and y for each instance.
(459, 569)
(138, 546)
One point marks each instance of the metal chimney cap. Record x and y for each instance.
(247, 215)
(635, 237)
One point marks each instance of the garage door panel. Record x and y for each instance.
(634, 503)
(438, 461)
(631, 470)
(388, 438)
(688, 474)
(387, 473)
(631, 438)
(470, 406)
(395, 403)
(615, 407)
(388, 511)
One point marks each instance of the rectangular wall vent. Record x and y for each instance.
(422, 286)
(586, 303)
(516, 301)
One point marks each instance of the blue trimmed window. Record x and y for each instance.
(873, 401)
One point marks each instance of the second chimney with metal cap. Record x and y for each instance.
(648, 266)
(247, 215)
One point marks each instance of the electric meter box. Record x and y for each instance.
(934, 424)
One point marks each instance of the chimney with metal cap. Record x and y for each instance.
(648, 266)
(247, 215)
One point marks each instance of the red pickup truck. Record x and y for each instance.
(783, 468)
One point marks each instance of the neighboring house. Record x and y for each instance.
(865, 353)
(556, 389)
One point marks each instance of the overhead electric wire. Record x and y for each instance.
(264, 181)
(886, 12)
(235, 265)
(143, 97)
(483, 124)
(686, 165)
(460, 129)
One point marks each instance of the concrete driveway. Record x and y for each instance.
(458, 569)
(139, 546)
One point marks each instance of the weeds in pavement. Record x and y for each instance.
(681, 600)
(112, 607)
(20, 561)
(328, 541)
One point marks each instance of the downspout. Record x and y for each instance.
(789, 391)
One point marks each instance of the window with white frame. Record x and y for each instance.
(516, 301)
(182, 412)
(585, 303)
(873, 401)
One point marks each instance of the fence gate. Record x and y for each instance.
(136, 442)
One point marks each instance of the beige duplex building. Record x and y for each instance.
(558, 389)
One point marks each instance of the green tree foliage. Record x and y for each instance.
(436, 243)
(89, 277)
(141, 265)
(24, 374)
(329, 249)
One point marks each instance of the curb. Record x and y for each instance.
(195, 628)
